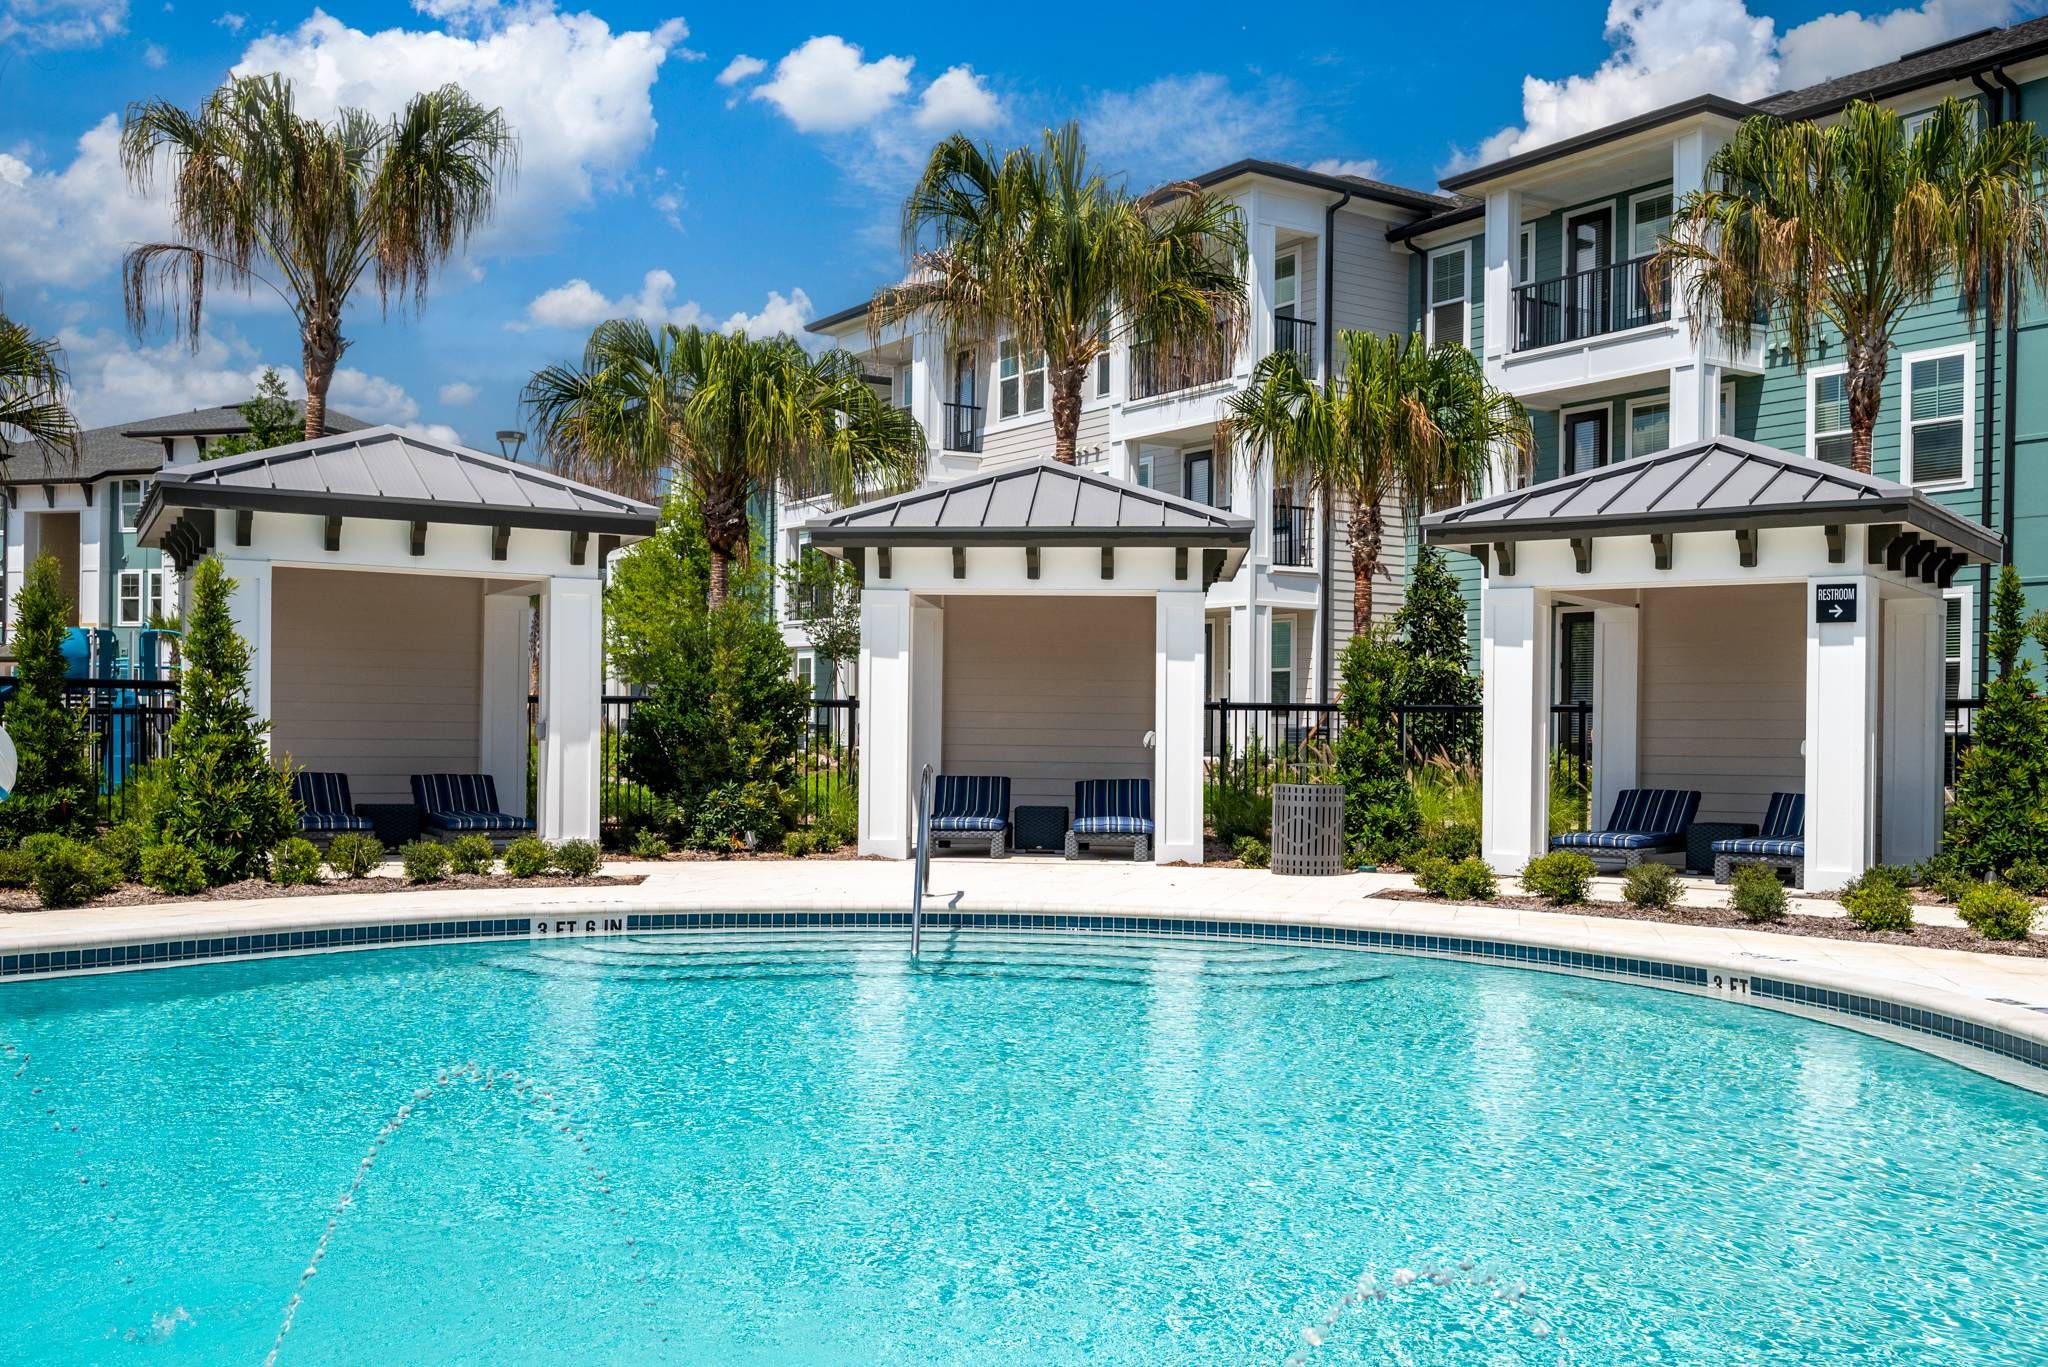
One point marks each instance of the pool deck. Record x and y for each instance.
(2003, 992)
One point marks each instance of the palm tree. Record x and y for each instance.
(32, 381)
(722, 417)
(309, 207)
(1838, 230)
(1406, 423)
(1040, 244)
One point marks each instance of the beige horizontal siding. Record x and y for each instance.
(1723, 704)
(1048, 691)
(376, 675)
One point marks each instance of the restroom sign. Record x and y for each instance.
(1834, 603)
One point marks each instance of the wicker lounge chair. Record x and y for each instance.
(457, 804)
(1781, 843)
(976, 805)
(1109, 812)
(324, 805)
(1645, 821)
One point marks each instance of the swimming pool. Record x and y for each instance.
(806, 1150)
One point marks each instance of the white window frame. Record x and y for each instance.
(1025, 370)
(1564, 236)
(1966, 680)
(1908, 428)
(1525, 255)
(1274, 669)
(1634, 202)
(1564, 427)
(129, 515)
(901, 386)
(1628, 421)
(123, 617)
(1101, 366)
(1141, 471)
(1429, 300)
(1287, 254)
(1727, 412)
(1813, 378)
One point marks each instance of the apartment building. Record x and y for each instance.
(1320, 261)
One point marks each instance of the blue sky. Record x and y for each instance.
(665, 176)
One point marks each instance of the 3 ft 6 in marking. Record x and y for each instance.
(564, 927)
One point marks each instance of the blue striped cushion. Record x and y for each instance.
(462, 802)
(1758, 846)
(1113, 806)
(324, 793)
(334, 821)
(476, 821)
(1616, 840)
(1786, 817)
(970, 802)
(1653, 811)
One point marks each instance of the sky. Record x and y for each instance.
(743, 168)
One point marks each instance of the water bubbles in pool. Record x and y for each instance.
(1467, 1274)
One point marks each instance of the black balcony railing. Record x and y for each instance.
(1297, 335)
(963, 427)
(1294, 534)
(1159, 370)
(1590, 303)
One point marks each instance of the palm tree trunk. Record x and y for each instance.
(1865, 383)
(726, 534)
(1066, 410)
(1368, 533)
(321, 348)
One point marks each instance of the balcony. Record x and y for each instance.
(1297, 335)
(1157, 370)
(1589, 303)
(962, 429)
(1294, 535)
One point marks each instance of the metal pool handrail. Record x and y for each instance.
(921, 865)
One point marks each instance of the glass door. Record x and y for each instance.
(1588, 241)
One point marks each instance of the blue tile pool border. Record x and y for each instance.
(1804, 998)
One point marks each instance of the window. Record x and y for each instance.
(128, 610)
(1525, 261)
(1728, 409)
(1197, 477)
(1102, 359)
(1827, 416)
(132, 492)
(1584, 439)
(1449, 284)
(1144, 472)
(1286, 284)
(1020, 381)
(903, 386)
(1649, 220)
(1937, 418)
(1649, 426)
(1956, 644)
(1283, 659)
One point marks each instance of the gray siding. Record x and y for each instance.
(1371, 277)
(376, 675)
(1047, 691)
(1033, 440)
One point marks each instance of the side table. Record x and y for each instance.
(1700, 837)
(396, 822)
(1040, 830)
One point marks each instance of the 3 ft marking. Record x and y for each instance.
(1723, 982)
(566, 927)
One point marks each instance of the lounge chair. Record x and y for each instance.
(324, 805)
(457, 804)
(1645, 821)
(1781, 843)
(1112, 811)
(971, 804)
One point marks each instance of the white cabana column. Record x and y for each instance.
(249, 604)
(886, 712)
(571, 708)
(1177, 727)
(1514, 652)
(1914, 693)
(501, 706)
(1842, 664)
(1617, 690)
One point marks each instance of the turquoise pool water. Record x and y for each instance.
(1044, 1151)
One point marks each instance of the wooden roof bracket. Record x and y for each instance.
(1504, 556)
(1837, 542)
(1745, 546)
(333, 532)
(1582, 553)
(1660, 547)
(1031, 562)
(1878, 540)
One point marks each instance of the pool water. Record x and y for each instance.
(1047, 1150)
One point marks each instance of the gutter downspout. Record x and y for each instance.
(1326, 639)
(1995, 99)
(2012, 339)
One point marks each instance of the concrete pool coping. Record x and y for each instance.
(2004, 995)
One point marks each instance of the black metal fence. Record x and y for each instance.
(1159, 370)
(1294, 534)
(1957, 733)
(1297, 335)
(127, 725)
(962, 430)
(1589, 303)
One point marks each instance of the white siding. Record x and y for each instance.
(1047, 691)
(376, 675)
(1723, 707)
(1370, 279)
(1033, 440)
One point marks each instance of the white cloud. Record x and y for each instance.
(578, 305)
(957, 100)
(458, 394)
(1837, 43)
(71, 226)
(669, 205)
(232, 22)
(62, 23)
(825, 86)
(1365, 168)
(741, 68)
(114, 380)
(154, 57)
(1183, 125)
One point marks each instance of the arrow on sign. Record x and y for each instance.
(1835, 611)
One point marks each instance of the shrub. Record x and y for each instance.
(426, 861)
(1465, 880)
(1559, 877)
(1451, 843)
(121, 846)
(737, 816)
(17, 870)
(1997, 819)
(578, 858)
(2028, 876)
(1379, 803)
(1650, 887)
(471, 853)
(295, 863)
(1877, 900)
(840, 824)
(527, 857)
(173, 869)
(1252, 852)
(1997, 913)
(68, 873)
(227, 802)
(354, 854)
(1235, 809)
(53, 787)
(1755, 891)
(649, 844)
(797, 844)
(1433, 629)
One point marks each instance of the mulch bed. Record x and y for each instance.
(255, 889)
(1809, 927)
(844, 854)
